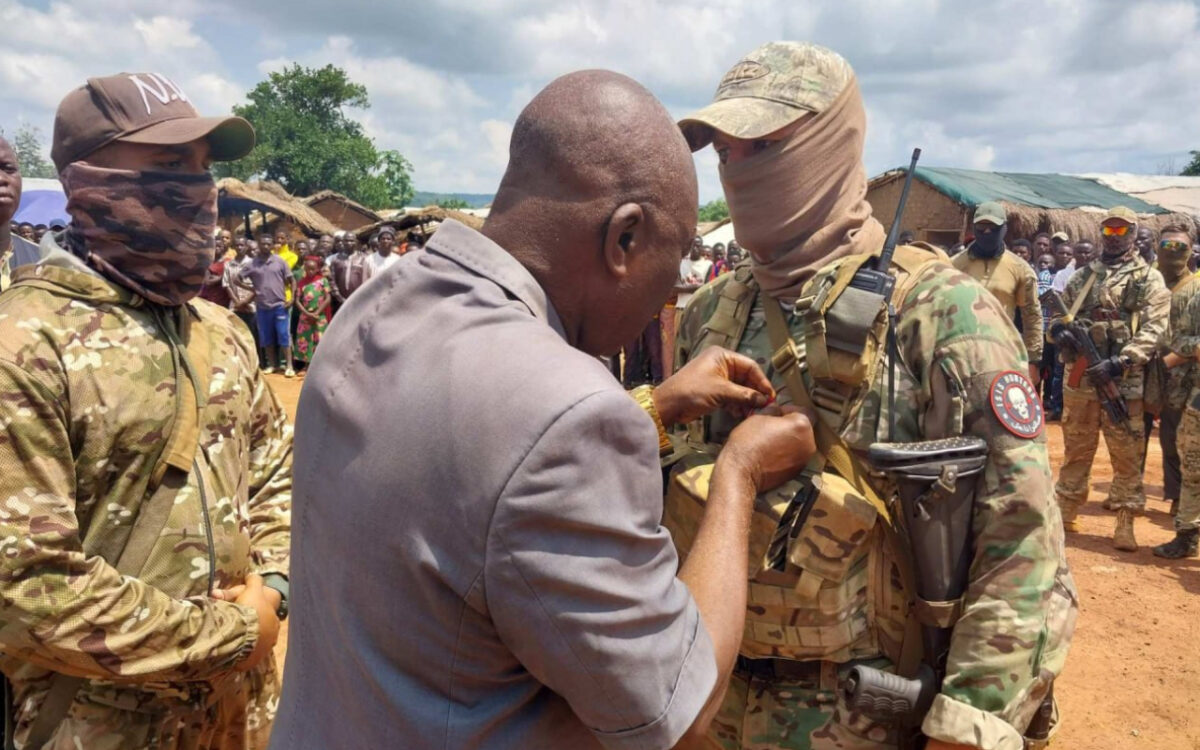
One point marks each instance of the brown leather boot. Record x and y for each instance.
(1123, 538)
(1070, 516)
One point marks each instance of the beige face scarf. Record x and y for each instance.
(801, 203)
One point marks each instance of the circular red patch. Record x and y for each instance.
(1016, 404)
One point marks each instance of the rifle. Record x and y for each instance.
(935, 481)
(1070, 333)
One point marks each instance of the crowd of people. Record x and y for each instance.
(286, 290)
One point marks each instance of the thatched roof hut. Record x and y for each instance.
(341, 211)
(237, 201)
(943, 200)
(422, 220)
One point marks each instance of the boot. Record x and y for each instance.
(1185, 544)
(1123, 535)
(1110, 504)
(1070, 517)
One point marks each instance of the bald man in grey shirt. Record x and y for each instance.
(478, 560)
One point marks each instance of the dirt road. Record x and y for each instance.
(1133, 677)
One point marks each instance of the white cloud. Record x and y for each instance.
(1030, 85)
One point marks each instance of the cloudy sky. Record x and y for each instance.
(1021, 85)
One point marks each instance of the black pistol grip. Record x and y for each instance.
(883, 696)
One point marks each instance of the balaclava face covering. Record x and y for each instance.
(801, 203)
(991, 244)
(150, 232)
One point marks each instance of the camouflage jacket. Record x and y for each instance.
(91, 399)
(1183, 338)
(1126, 311)
(1019, 610)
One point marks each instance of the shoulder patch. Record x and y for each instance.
(1016, 404)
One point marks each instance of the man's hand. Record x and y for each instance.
(1171, 359)
(769, 450)
(265, 602)
(1107, 369)
(715, 378)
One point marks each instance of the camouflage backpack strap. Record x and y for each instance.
(830, 444)
(734, 302)
(1088, 282)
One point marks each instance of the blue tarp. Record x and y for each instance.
(42, 201)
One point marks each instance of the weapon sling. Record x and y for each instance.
(838, 455)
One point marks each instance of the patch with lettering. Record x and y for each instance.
(1016, 404)
(746, 70)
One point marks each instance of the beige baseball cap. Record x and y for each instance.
(1120, 213)
(140, 108)
(770, 88)
(990, 211)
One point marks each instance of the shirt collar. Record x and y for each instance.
(480, 255)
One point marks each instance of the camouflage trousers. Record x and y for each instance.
(774, 713)
(1082, 422)
(125, 718)
(1188, 439)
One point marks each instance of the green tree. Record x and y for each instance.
(714, 210)
(307, 140)
(27, 145)
(1193, 167)
(455, 203)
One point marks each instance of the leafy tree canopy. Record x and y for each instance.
(27, 145)
(714, 210)
(308, 142)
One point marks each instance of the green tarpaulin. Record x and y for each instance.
(971, 187)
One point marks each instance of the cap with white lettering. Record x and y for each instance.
(140, 108)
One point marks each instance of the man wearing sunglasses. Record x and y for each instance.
(1124, 304)
(1180, 434)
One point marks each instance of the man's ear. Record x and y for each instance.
(624, 236)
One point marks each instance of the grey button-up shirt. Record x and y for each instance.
(477, 555)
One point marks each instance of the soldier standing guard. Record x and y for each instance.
(1182, 405)
(1124, 304)
(788, 126)
(145, 466)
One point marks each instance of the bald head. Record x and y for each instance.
(597, 134)
(598, 201)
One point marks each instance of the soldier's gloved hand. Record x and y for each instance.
(716, 378)
(1108, 369)
(1056, 335)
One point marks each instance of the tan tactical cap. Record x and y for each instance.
(990, 211)
(1060, 236)
(1120, 213)
(140, 108)
(769, 88)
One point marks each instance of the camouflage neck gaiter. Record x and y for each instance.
(150, 232)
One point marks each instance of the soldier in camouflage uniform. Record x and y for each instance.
(1183, 392)
(1124, 304)
(145, 466)
(788, 126)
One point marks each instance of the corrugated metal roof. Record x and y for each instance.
(972, 187)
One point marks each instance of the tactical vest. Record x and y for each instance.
(1110, 311)
(834, 590)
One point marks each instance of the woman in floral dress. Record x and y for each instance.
(313, 303)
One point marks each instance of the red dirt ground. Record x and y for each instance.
(1133, 677)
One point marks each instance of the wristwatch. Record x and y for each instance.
(280, 584)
